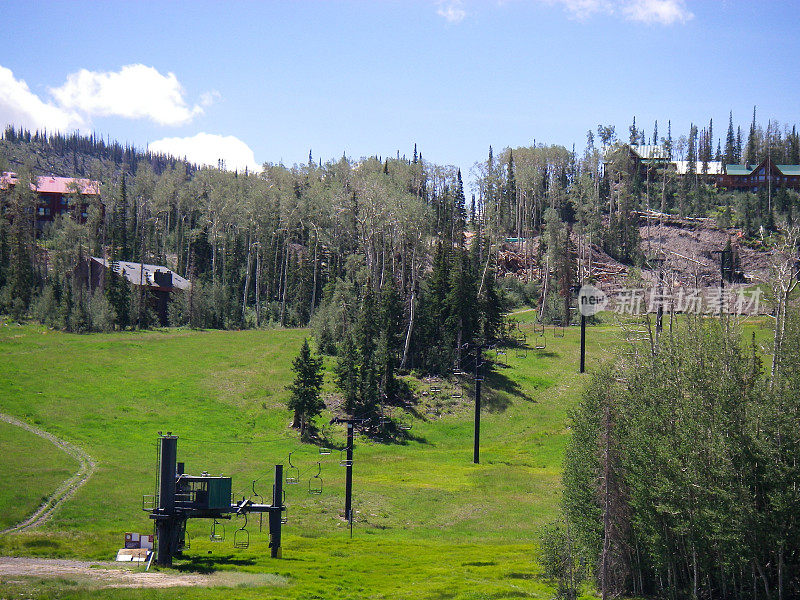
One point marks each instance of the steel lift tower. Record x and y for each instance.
(181, 497)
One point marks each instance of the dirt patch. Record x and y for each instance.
(98, 574)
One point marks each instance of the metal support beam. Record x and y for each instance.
(348, 482)
(275, 514)
(476, 450)
(167, 523)
(583, 343)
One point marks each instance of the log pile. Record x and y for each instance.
(605, 272)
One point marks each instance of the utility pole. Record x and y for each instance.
(478, 380)
(348, 484)
(583, 343)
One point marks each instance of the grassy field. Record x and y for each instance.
(429, 523)
(30, 469)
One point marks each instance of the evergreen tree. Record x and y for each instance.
(305, 399)
(669, 146)
(739, 145)
(366, 338)
(462, 318)
(751, 150)
(20, 274)
(730, 143)
(346, 373)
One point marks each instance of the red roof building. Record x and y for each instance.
(55, 195)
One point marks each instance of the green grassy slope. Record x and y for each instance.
(31, 468)
(429, 523)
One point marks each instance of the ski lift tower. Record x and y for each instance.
(180, 497)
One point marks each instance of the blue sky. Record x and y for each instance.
(267, 81)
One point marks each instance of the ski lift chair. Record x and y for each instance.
(558, 328)
(538, 327)
(217, 535)
(541, 341)
(522, 352)
(315, 483)
(292, 472)
(241, 537)
(343, 462)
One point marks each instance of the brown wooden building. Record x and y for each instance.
(765, 174)
(733, 177)
(159, 281)
(58, 196)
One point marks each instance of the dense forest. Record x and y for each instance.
(300, 245)
(681, 474)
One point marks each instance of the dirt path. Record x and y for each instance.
(103, 574)
(95, 574)
(66, 490)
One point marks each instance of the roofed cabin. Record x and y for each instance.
(735, 177)
(158, 279)
(56, 195)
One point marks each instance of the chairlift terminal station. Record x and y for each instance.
(180, 497)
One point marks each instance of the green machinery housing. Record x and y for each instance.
(181, 497)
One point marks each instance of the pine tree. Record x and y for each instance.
(305, 399)
(462, 301)
(751, 151)
(669, 144)
(20, 272)
(730, 143)
(346, 373)
(366, 338)
(510, 192)
(460, 212)
(119, 295)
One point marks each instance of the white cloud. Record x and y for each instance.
(133, 92)
(583, 9)
(19, 106)
(451, 10)
(207, 149)
(208, 98)
(664, 12)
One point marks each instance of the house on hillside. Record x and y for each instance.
(58, 196)
(159, 281)
(764, 174)
(645, 159)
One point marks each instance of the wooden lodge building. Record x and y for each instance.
(57, 196)
(733, 177)
(159, 281)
